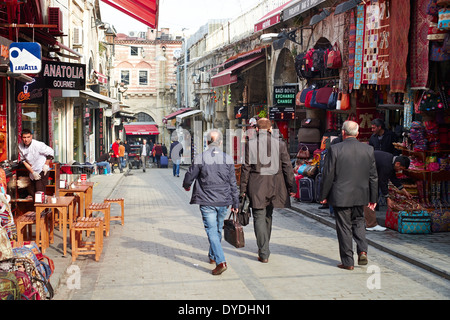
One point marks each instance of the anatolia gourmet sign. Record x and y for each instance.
(60, 75)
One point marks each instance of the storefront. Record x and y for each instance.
(386, 60)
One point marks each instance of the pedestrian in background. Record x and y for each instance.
(145, 153)
(214, 190)
(176, 152)
(36, 156)
(267, 177)
(382, 139)
(104, 161)
(350, 183)
(122, 156)
(158, 154)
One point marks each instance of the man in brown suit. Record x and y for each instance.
(266, 176)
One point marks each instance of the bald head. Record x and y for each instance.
(214, 136)
(264, 124)
(350, 129)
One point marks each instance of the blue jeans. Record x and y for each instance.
(176, 167)
(105, 164)
(213, 218)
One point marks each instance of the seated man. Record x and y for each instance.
(103, 161)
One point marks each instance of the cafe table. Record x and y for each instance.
(85, 192)
(64, 205)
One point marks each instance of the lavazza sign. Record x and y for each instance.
(60, 75)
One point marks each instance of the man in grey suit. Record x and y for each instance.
(350, 182)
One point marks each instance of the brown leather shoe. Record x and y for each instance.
(362, 258)
(220, 269)
(211, 261)
(263, 260)
(341, 266)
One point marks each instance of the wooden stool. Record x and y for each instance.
(102, 207)
(121, 202)
(80, 247)
(26, 221)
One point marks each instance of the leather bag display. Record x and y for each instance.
(233, 231)
(334, 60)
(303, 152)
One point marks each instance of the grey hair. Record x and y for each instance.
(351, 128)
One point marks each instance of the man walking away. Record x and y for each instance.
(350, 182)
(267, 177)
(176, 152)
(214, 190)
(145, 152)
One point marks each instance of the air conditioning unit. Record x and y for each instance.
(77, 36)
(55, 18)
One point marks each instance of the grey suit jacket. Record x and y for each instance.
(350, 174)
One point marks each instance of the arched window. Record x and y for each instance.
(144, 117)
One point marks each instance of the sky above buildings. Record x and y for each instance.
(179, 14)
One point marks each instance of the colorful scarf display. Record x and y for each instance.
(351, 51)
(371, 35)
(359, 46)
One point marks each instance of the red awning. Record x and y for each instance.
(173, 115)
(141, 129)
(270, 19)
(145, 11)
(227, 76)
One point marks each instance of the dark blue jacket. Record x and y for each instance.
(215, 179)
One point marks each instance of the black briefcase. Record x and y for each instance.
(233, 231)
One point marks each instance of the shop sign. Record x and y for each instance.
(299, 7)
(30, 92)
(282, 113)
(241, 112)
(284, 95)
(25, 57)
(61, 75)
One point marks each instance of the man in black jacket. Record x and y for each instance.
(382, 139)
(349, 183)
(215, 189)
(387, 166)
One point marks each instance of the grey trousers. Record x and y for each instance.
(262, 221)
(350, 224)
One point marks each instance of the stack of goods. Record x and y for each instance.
(432, 135)
(418, 136)
(309, 134)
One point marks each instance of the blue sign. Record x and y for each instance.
(25, 57)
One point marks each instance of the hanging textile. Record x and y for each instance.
(370, 62)
(400, 23)
(345, 53)
(383, 43)
(419, 44)
(351, 51)
(359, 46)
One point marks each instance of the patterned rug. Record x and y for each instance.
(383, 43)
(419, 45)
(400, 23)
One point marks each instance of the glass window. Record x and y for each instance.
(31, 119)
(125, 77)
(134, 51)
(143, 77)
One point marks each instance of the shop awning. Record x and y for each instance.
(115, 104)
(144, 11)
(188, 114)
(141, 129)
(297, 7)
(174, 114)
(270, 19)
(229, 75)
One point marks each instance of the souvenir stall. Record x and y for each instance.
(393, 63)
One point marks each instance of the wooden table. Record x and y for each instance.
(65, 207)
(85, 192)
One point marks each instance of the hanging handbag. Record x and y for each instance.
(303, 153)
(323, 95)
(233, 231)
(244, 210)
(315, 103)
(334, 60)
(414, 222)
(345, 101)
(332, 100)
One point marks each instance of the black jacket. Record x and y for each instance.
(385, 143)
(386, 172)
(350, 175)
(215, 179)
